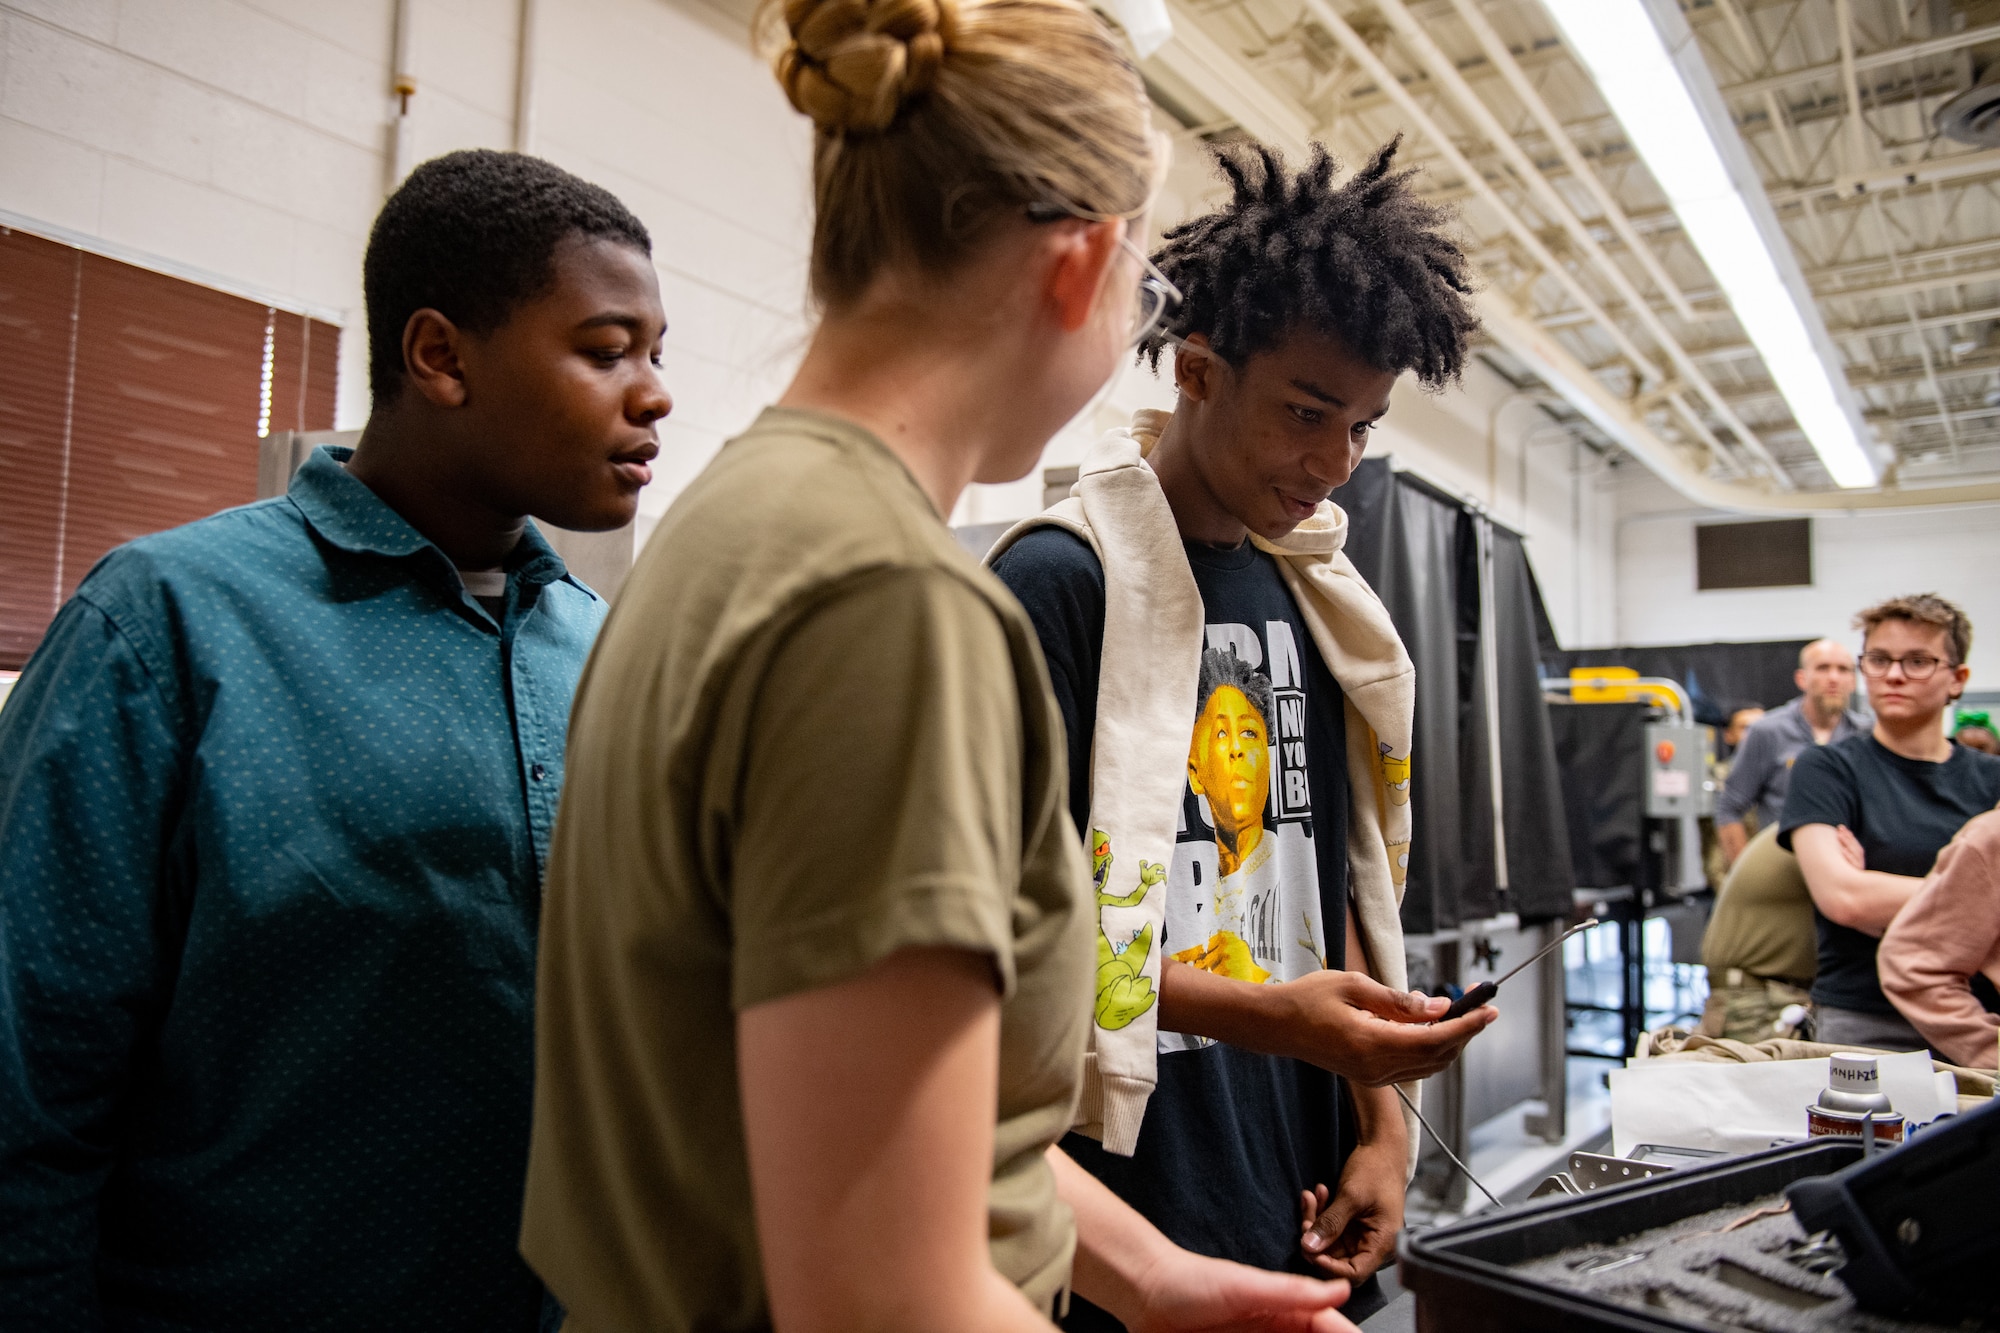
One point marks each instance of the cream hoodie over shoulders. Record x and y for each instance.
(1148, 675)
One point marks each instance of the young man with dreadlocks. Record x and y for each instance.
(1249, 1021)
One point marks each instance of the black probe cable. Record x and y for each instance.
(1466, 1003)
(1439, 1141)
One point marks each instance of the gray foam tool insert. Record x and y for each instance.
(1764, 1275)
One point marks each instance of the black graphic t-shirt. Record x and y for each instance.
(1903, 811)
(1257, 891)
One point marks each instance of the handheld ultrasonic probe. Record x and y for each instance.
(1486, 990)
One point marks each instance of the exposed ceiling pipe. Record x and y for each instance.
(1611, 414)
(1949, 319)
(524, 78)
(1364, 56)
(1888, 55)
(1502, 59)
(1249, 102)
(1766, 85)
(1859, 159)
(1192, 55)
(1439, 67)
(403, 87)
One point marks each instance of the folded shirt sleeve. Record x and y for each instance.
(1947, 933)
(880, 801)
(89, 775)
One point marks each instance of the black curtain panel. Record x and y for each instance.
(1403, 538)
(1600, 754)
(1418, 547)
(1479, 887)
(1537, 836)
(1540, 872)
(1719, 677)
(1423, 596)
(1366, 500)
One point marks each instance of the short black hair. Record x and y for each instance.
(473, 234)
(1367, 262)
(1220, 667)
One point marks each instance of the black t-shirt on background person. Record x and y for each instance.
(1230, 1136)
(1903, 811)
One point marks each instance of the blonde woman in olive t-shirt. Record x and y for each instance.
(818, 946)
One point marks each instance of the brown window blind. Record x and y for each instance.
(130, 402)
(305, 358)
(38, 284)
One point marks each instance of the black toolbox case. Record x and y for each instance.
(1463, 1277)
(1918, 1225)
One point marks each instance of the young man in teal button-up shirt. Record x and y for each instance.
(275, 798)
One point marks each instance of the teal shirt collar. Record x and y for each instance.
(343, 511)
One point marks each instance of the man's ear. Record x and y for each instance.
(431, 358)
(1085, 253)
(1194, 368)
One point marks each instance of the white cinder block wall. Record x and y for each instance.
(245, 143)
(235, 142)
(1858, 559)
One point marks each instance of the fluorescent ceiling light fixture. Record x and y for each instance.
(1698, 160)
(1146, 22)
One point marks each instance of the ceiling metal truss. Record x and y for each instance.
(1896, 227)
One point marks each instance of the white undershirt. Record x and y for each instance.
(484, 582)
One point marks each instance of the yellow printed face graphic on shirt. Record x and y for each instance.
(1229, 762)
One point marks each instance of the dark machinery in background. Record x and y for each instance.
(1636, 784)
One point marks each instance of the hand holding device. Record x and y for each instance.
(1354, 1026)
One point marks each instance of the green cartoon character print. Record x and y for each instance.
(1124, 991)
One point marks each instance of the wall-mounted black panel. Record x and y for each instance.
(1774, 553)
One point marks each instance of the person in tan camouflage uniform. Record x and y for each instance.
(1760, 946)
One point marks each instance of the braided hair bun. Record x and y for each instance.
(853, 65)
(939, 122)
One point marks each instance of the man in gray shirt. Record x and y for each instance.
(1762, 768)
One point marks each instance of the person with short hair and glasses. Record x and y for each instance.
(1867, 816)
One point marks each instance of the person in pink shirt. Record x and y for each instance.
(1940, 958)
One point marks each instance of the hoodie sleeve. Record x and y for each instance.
(1949, 932)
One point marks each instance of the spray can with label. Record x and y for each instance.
(1853, 1101)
